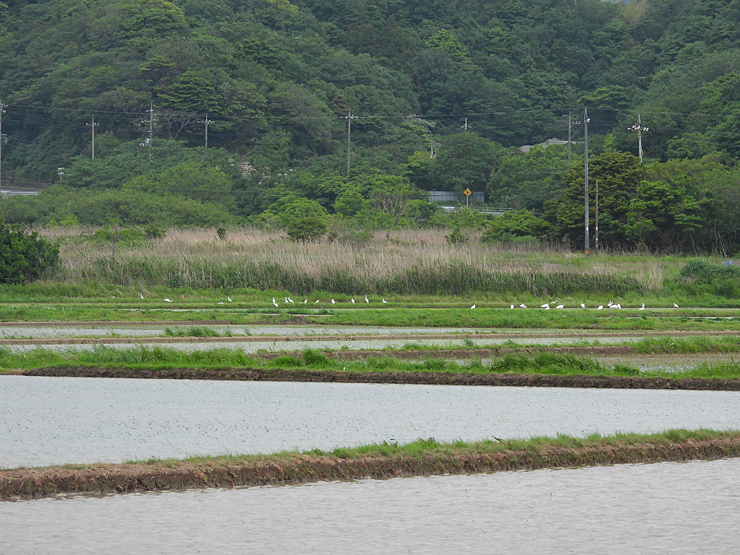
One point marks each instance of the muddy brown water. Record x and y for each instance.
(654, 508)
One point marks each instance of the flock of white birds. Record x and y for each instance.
(546, 306)
(288, 300)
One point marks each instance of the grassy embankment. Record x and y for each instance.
(423, 457)
(133, 361)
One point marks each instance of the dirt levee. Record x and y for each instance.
(157, 476)
(428, 378)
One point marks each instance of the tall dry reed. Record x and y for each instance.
(402, 262)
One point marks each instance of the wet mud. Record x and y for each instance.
(419, 378)
(300, 468)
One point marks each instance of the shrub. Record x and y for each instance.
(154, 231)
(456, 237)
(24, 256)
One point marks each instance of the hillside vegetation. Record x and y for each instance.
(440, 95)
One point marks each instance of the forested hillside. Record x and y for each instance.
(440, 96)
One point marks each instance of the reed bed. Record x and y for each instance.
(405, 262)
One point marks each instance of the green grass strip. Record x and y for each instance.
(422, 457)
(155, 358)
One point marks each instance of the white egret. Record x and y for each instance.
(317, 301)
(221, 302)
(353, 301)
(522, 306)
(609, 303)
(675, 305)
(367, 301)
(583, 305)
(332, 301)
(290, 300)
(600, 307)
(472, 306)
(512, 307)
(229, 298)
(385, 302)
(167, 301)
(642, 307)
(141, 295)
(545, 306)
(559, 306)
(305, 301)
(274, 302)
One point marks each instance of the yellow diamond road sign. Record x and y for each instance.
(468, 192)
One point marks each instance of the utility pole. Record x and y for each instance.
(585, 147)
(571, 123)
(93, 125)
(596, 221)
(148, 141)
(3, 138)
(206, 122)
(349, 117)
(638, 128)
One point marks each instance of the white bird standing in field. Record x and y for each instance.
(275, 303)
(385, 302)
(642, 307)
(305, 301)
(675, 305)
(141, 295)
(512, 307)
(366, 300)
(559, 306)
(522, 306)
(221, 302)
(290, 300)
(601, 306)
(609, 303)
(317, 302)
(332, 301)
(353, 301)
(545, 306)
(167, 301)
(472, 307)
(583, 305)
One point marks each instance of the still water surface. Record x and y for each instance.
(657, 508)
(47, 421)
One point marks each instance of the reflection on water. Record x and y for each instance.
(658, 508)
(78, 420)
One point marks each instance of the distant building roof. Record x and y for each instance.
(548, 142)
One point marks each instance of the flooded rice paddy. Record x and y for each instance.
(144, 330)
(46, 421)
(657, 508)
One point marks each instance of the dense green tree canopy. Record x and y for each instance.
(419, 95)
